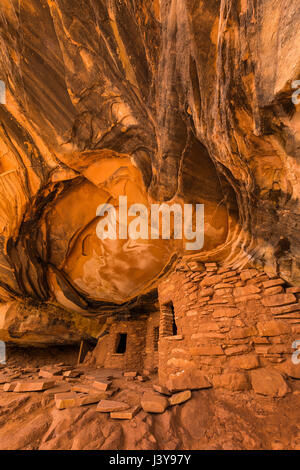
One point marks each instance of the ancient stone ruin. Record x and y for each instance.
(139, 106)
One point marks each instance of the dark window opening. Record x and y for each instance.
(174, 326)
(156, 337)
(171, 319)
(121, 343)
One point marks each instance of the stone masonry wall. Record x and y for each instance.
(140, 345)
(151, 356)
(235, 329)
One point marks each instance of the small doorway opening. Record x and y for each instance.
(121, 343)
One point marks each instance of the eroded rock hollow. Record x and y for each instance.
(169, 101)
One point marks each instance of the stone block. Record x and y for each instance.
(248, 274)
(72, 399)
(238, 349)
(269, 382)
(130, 374)
(285, 309)
(278, 300)
(161, 389)
(247, 362)
(293, 290)
(154, 403)
(127, 414)
(180, 397)
(247, 290)
(234, 381)
(72, 374)
(211, 280)
(273, 328)
(230, 312)
(240, 333)
(101, 384)
(34, 386)
(187, 380)
(49, 373)
(247, 298)
(273, 282)
(274, 290)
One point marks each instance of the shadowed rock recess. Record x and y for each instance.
(161, 101)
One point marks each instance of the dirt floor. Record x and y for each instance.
(211, 419)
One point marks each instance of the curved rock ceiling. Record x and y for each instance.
(162, 101)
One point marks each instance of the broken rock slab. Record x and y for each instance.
(61, 388)
(49, 372)
(102, 385)
(107, 406)
(127, 414)
(72, 399)
(72, 374)
(153, 403)
(34, 386)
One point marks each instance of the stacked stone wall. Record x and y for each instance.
(229, 324)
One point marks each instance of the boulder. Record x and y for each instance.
(187, 380)
(153, 403)
(270, 382)
(235, 381)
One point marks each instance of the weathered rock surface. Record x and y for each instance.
(157, 101)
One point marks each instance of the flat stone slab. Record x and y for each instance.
(72, 374)
(49, 372)
(72, 399)
(102, 385)
(180, 397)
(107, 406)
(61, 388)
(9, 377)
(130, 374)
(272, 283)
(127, 414)
(90, 389)
(278, 300)
(34, 386)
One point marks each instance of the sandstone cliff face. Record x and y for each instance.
(172, 100)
